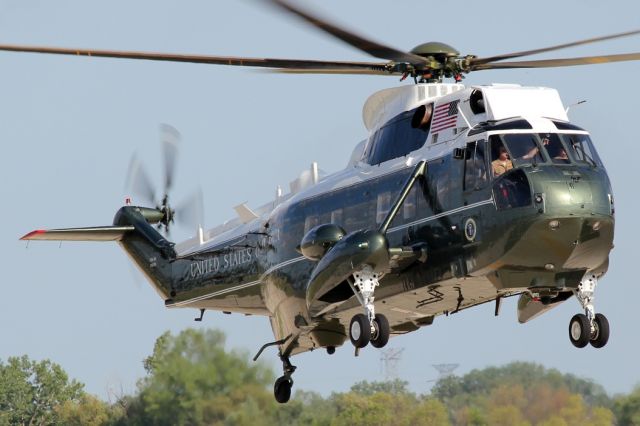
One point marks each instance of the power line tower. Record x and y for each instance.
(389, 359)
(444, 370)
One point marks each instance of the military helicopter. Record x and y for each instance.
(459, 196)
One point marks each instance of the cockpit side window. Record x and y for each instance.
(523, 148)
(500, 159)
(581, 149)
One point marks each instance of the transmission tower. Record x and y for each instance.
(444, 370)
(389, 359)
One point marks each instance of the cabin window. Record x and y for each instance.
(383, 206)
(582, 149)
(475, 167)
(336, 217)
(410, 203)
(310, 222)
(403, 134)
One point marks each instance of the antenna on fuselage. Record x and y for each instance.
(566, 111)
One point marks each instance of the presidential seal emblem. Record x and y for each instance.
(470, 229)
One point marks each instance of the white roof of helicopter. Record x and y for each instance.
(502, 101)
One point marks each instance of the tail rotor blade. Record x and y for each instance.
(190, 212)
(139, 182)
(170, 139)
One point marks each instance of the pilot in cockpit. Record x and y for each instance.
(502, 164)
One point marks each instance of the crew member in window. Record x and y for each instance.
(502, 164)
(422, 117)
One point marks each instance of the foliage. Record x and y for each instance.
(193, 380)
(523, 394)
(627, 408)
(87, 411)
(393, 387)
(31, 391)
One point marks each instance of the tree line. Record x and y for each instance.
(192, 379)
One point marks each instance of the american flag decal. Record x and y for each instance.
(445, 116)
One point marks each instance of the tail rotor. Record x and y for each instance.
(191, 211)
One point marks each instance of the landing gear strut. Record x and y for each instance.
(588, 327)
(283, 385)
(367, 327)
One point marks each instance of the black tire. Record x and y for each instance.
(381, 337)
(579, 330)
(282, 389)
(602, 331)
(331, 350)
(360, 331)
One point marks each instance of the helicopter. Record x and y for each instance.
(423, 223)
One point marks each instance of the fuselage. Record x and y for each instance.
(537, 227)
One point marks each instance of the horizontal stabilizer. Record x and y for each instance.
(99, 233)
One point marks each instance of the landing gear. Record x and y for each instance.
(367, 327)
(588, 327)
(579, 330)
(360, 331)
(283, 385)
(282, 389)
(381, 335)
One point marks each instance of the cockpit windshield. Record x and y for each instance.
(518, 149)
(582, 149)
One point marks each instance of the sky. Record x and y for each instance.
(69, 126)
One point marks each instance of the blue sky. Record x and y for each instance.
(68, 127)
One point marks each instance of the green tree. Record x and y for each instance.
(193, 380)
(523, 393)
(627, 408)
(31, 392)
(393, 387)
(87, 411)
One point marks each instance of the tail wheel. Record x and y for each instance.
(282, 389)
(360, 331)
(602, 331)
(579, 330)
(381, 335)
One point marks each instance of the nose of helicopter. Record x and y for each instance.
(569, 229)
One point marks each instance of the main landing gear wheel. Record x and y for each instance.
(579, 330)
(601, 331)
(360, 331)
(282, 389)
(381, 335)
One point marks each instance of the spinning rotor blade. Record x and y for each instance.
(344, 71)
(139, 182)
(197, 59)
(190, 212)
(371, 47)
(170, 139)
(566, 62)
(478, 61)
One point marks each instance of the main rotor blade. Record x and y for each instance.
(345, 71)
(564, 62)
(170, 138)
(197, 59)
(477, 61)
(139, 182)
(366, 45)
